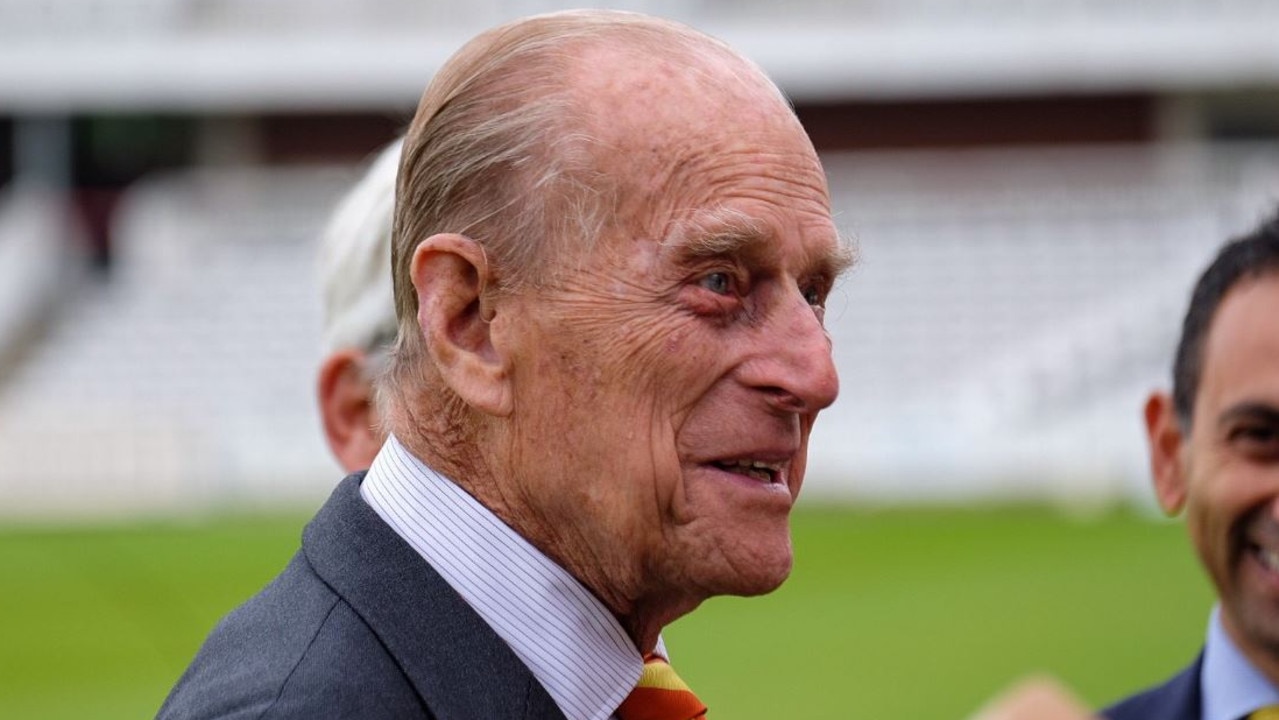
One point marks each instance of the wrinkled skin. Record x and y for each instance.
(687, 339)
(1225, 472)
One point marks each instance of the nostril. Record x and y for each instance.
(785, 400)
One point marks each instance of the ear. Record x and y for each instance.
(1166, 440)
(450, 273)
(347, 410)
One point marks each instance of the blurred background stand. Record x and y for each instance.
(1032, 186)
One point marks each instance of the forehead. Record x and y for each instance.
(696, 132)
(1241, 355)
(655, 106)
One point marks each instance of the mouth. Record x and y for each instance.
(1258, 538)
(1267, 557)
(768, 472)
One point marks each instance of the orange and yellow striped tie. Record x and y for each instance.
(1270, 712)
(660, 695)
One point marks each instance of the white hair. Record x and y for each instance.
(355, 260)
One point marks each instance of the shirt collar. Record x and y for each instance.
(1231, 686)
(569, 640)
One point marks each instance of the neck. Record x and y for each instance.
(646, 621)
(618, 582)
(1264, 659)
(438, 434)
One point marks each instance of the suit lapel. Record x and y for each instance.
(1177, 699)
(1184, 699)
(459, 666)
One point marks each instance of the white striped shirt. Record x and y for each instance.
(570, 641)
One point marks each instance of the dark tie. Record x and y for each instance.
(660, 695)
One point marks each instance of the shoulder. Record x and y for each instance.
(1176, 699)
(295, 649)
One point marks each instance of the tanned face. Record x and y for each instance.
(1225, 471)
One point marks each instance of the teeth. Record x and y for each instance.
(1269, 558)
(758, 469)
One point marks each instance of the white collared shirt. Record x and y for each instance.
(570, 641)
(1231, 686)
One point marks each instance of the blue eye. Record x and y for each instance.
(718, 283)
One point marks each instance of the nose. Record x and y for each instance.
(793, 364)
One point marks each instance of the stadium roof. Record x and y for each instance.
(236, 55)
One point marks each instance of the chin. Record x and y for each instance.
(760, 585)
(1259, 623)
(757, 574)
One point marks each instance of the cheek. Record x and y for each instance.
(627, 475)
(659, 357)
(691, 348)
(1221, 498)
(1209, 512)
(615, 381)
(1230, 488)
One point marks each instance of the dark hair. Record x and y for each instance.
(1244, 258)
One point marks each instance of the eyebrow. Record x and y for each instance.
(1249, 410)
(726, 232)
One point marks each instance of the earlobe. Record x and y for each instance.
(450, 273)
(1166, 439)
(347, 411)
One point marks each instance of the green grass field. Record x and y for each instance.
(893, 614)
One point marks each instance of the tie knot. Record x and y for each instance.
(1270, 712)
(660, 695)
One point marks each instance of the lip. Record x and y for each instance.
(1256, 540)
(1262, 561)
(1266, 553)
(758, 469)
(761, 472)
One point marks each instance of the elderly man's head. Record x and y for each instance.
(359, 315)
(612, 247)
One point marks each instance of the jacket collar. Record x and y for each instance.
(458, 665)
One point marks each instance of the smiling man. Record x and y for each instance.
(611, 251)
(1214, 446)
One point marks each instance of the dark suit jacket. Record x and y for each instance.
(357, 626)
(1177, 699)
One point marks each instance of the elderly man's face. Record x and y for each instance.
(666, 383)
(1229, 465)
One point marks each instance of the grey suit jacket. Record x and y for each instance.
(1177, 699)
(357, 626)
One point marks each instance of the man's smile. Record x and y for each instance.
(762, 470)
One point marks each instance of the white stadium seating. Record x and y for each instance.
(1007, 314)
(187, 379)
